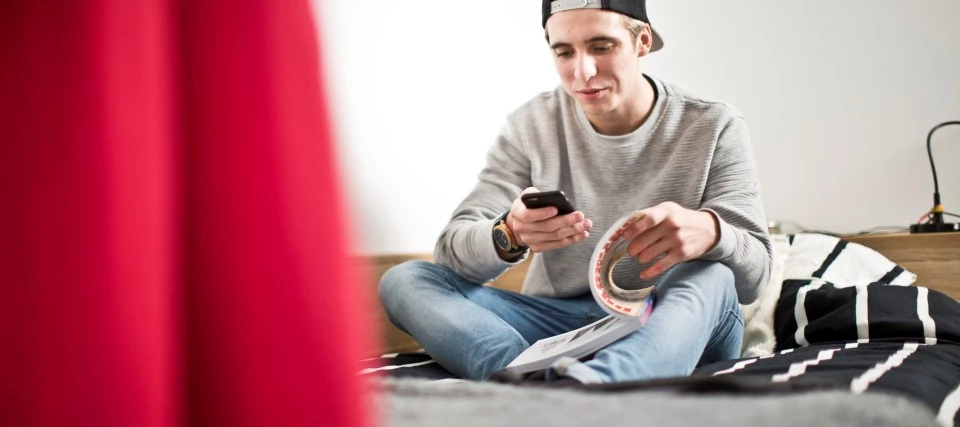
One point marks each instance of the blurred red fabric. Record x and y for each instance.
(173, 242)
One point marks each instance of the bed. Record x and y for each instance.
(852, 331)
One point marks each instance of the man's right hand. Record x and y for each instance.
(543, 230)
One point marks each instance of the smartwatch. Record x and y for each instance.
(504, 239)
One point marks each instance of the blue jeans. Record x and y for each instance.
(473, 330)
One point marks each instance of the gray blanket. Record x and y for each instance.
(414, 402)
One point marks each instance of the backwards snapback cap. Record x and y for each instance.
(636, 9)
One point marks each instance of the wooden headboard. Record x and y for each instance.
(935, 258)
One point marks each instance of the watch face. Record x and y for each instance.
(500, 237)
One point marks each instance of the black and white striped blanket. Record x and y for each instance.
(843, 318)
(873, 338)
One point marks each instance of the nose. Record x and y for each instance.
(585, 68)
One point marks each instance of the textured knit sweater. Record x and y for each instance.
(691, 151)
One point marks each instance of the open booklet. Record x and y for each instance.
(628, 308)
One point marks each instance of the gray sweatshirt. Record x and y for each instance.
(691, 151)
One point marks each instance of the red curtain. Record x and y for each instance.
(172, 239)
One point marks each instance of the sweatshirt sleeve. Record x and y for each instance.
(466, 245)
(732, 195)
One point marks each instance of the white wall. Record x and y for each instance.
(839, 97)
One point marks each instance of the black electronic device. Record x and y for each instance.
(543, 199)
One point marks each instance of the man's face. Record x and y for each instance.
(597, 60)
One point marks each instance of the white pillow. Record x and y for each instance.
(843, 263)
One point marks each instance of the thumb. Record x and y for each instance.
(518, 207)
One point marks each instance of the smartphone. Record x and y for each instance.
(543, 199)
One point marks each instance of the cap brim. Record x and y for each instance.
(657, 41)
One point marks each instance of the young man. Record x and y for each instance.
(615, 140)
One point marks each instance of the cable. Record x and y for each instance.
(883, 229)
(933, 168)
(931, 221)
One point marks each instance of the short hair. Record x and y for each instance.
(633, 25)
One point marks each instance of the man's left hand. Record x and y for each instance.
(673, 232)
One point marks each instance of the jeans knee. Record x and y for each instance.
(398, 280)
(708, 280)
(720, 282)
(715, 269)
(405, 285)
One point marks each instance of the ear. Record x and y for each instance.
(644, 41)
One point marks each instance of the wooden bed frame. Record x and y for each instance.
(935, 258)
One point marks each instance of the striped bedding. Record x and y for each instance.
(844, 320)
